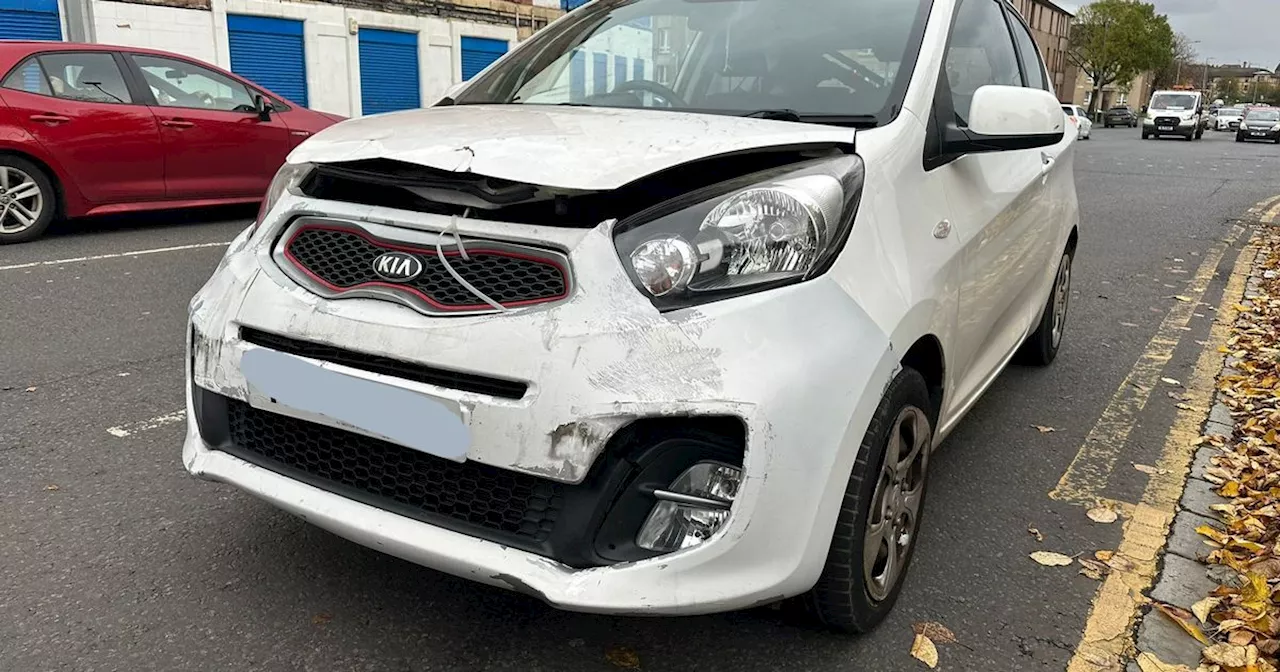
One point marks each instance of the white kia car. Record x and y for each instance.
(1079, 118)
(663, 313)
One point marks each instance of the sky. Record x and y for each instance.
(1229, 31)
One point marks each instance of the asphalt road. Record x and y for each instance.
(112, 558)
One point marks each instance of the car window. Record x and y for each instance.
(177, 83)
(1069, 110)
(1263, 115)
(835, 58)
(981, 53)
(1173, 101)
(86, 76)
(1032, 66)
(28, 77)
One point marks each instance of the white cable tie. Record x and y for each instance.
(457, 276)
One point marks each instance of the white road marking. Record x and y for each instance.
(98, 257)
(141, 426)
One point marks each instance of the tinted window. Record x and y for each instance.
(981, 53)
(86, 76)
(177, 83)
(28, 77)
(1263, 115)
(1069, 110)
(1031, 64)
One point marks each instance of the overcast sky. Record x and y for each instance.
(1230, 31)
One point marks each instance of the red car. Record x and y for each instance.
(87, 129)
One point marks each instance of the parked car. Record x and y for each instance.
(1079, 118)
(87, 129)
(1120, 115)
(1228, 119)
(1175, 113)
(691, 367)
(1260, 123)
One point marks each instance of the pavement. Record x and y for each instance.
(112, 558)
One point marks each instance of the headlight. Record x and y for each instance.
(1276, 127)
(288, 178)
(760, 231)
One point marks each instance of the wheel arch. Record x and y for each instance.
(926, 357)
(55, 177)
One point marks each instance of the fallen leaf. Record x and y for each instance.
(936, 632)
(1218, 536)
(1043, 429)
(1171, 381)
(923, 650)
(1186, 407)
(1183, 299)
(1240, 638)
(1128, 324)
(321, 618)
(623, 657)
(51, 486)
(1148, 662)
(1104, 556)
(1269, 568)
(1230, 489)
(1120, 563)
(1148, 469)
(31, 389)
(1231, 655)
(1202, 608)
(1102, 514)
(1183, 618)
(1035, 533)
(1051, 559)
(1094, 569)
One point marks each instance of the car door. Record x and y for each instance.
(995, 199)
(78, 106)
(215, 144)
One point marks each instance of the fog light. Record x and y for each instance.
(694, 508)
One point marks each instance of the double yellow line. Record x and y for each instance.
(1108, 633)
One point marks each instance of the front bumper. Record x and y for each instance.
(800, 367)
(1267, 135)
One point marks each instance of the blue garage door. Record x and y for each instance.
(478, 53)
(29, 20)
(388, 71)
(269, 51)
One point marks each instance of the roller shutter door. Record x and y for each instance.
(478, 53)
(388, 71)
(269, 51)
(30, 20)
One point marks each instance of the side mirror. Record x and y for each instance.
(261, 107)
(1144, 109)
(1004, 118)
(449, 94)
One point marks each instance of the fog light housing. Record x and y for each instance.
(694, 508)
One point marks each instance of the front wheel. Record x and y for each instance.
(1041, 347)
(27, 200)
(1146, 135)
(879, 519)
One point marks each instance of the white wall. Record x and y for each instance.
(332, 50)
(184, 31)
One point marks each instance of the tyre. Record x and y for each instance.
(1238, 138)
(879, 519)
(1041, 347)
(1106, 125)
(28, 200)
(1146, 135)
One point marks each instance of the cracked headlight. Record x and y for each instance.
(288, 178)
(756, 232)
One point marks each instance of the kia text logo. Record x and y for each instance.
(397, 267)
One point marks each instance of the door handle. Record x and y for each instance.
(48, 118)
(177, 123)
(1047, 160)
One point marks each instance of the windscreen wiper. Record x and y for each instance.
(786, 114)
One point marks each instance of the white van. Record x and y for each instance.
(1174, 113)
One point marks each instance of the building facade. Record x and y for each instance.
(1051, 28)
(348, 57)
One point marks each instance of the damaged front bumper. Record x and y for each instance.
(797, 370)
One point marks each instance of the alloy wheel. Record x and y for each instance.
(22, 201)
(895, 506)
(1061, 299)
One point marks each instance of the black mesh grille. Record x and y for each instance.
(454, 380)
(344, 259)
(396, 478)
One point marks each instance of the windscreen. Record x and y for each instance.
(1173, 101)
(1263, 115)
(833, 57)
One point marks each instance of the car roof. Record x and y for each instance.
(31, 46)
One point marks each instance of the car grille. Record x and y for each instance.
(342, 260)
(395, 478)
(1167, 121)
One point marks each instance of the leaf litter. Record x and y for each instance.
(1239, 621)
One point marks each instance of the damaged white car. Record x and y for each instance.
(663, 313)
